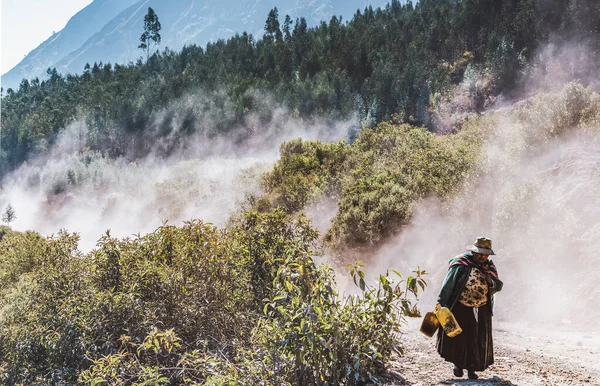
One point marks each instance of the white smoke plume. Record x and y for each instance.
(535, 195)
(74, 188)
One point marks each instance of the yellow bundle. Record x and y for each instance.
(441, 316)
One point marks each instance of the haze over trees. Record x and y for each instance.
(400, 59)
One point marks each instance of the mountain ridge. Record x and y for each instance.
(76, 32)
(108, 30)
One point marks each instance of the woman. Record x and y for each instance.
(468, 290)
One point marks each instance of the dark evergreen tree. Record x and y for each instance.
(287, 27)
(272, 27)
(9, 214)
(151, 34)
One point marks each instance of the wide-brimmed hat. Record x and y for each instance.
(482, 245)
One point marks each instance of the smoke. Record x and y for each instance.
(209, 177)
(535, 194)
(558, 63)
(538, 202)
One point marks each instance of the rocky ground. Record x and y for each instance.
(524, 355)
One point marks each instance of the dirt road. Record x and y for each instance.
(523, 356)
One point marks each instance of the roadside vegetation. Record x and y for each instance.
(376, 180)
(193, 305)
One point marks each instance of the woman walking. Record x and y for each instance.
(468, 290)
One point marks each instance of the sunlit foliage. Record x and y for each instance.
(192, 304)
(377, 179)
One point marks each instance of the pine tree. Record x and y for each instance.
(272, 27)
(287, 27)
(151, 33)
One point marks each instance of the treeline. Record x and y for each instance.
(383, 61)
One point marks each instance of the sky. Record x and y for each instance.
(25, 24)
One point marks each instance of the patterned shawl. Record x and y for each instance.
(467, 260)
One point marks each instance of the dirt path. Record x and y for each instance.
(521, 358)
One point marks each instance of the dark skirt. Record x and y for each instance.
(472, 349)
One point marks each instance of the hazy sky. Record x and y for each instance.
(25, 24)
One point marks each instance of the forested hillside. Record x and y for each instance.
(401, 59)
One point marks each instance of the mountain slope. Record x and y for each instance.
(80, 28)
(109, 30)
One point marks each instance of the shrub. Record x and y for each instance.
(190, 305)
(314, 336)
(371, 209)
(377, 179)
(4, 230)
(306, 170)
(552, 114)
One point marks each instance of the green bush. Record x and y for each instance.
(372, 209)
(190, 305)
(314, 336)
(306, 170)
(4, 230)
(377, 180)
(552, 114)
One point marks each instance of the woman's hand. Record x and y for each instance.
(486, 277)
(489, 281)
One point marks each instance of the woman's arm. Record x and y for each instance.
(496, 283)
(448, 286)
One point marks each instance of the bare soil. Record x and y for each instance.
(524, 355)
